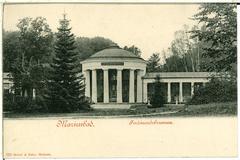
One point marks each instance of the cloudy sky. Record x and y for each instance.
(149, 27)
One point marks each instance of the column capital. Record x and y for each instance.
(119, 69)
(105, 69)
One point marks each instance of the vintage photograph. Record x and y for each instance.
(80, 60)
(129, 75)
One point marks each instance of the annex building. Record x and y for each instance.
(116, 76)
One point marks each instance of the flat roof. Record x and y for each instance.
(151, 75)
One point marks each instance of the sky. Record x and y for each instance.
(150, 27)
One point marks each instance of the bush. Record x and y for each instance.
(8, 102)
(217, 90)
(157, 99)
(18, 104)
(85, 103)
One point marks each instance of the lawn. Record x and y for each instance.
(213, 109)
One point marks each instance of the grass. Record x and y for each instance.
(227, 108)
(213, 109)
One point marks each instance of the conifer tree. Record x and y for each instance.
(65, 81)
(158, 99)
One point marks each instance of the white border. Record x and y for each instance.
(119, 1)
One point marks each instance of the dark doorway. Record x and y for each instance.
(112, 85)
(125, 85)
(174, 92)
(100, 85)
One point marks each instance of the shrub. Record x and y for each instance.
(18, 104)
(219, 89)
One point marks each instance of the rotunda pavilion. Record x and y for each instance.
(114, 75)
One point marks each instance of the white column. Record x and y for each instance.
(180, 92)
(131, 86)
(34, 93)
(139, 86)
(192, 88)
(145, 93)
(119, 86)
(94, 86)
(169, 93)
(87, 83)
(105, 86)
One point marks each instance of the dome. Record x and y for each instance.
(114, 52)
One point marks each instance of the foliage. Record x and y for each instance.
(135, 50)
(157, 99)
(34, 44)
(185, 53)
(153, 63)
(19, 104)
(220, 33)
(11, 46)
(219, 89)
(88, 46)
(65, 84)
(173, 64)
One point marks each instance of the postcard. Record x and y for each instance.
(101, 80)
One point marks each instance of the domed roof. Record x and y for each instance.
(114, 52)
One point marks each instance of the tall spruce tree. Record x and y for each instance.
(65, 81)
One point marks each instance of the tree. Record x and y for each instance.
(220, 33)
(184, 47)
(185, 52)
(173, 64)
(65, 85)
(88, 46)
(35, 45)
(153, 63)
(157, 99)
(222, 88)
(11, 48)
(135, 50)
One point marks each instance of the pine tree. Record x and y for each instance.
(65, 81)
(158, 99)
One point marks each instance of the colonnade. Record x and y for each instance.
(93, 87)
(169, 94)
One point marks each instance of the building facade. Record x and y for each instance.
(114, 75)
